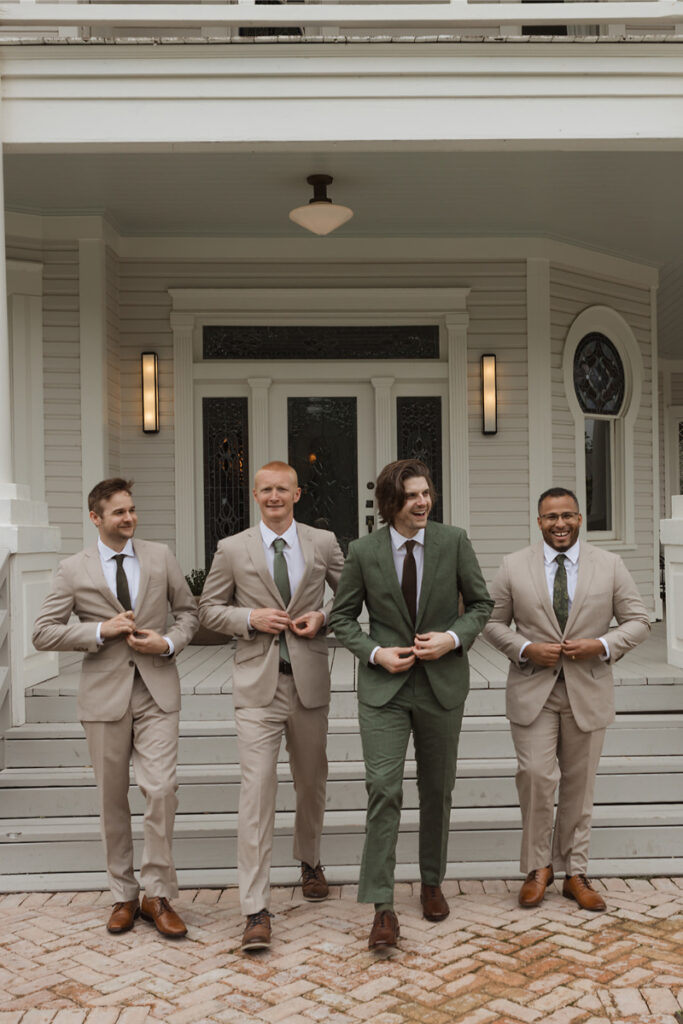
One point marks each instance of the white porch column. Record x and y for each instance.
(24, 532)
(671, 536)
(259, 427)
(182, 325)
(384, 448)
(92, 290)
(456, 330)
(539, 387)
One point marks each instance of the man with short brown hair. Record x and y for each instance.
(129, 691)
(562, 594)
(413, 677)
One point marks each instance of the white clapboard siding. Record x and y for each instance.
(571, 292)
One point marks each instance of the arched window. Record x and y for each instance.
(600, 386)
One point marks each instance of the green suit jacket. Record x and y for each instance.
(450, 570)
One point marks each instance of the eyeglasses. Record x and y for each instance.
(556, 517)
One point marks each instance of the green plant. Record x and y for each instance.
(196, 579)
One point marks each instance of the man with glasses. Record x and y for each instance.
(562, 594)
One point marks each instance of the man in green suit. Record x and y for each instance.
(427, 602)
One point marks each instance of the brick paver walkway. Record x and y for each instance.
(489, 963)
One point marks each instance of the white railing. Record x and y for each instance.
(665, 16)
(4, 625)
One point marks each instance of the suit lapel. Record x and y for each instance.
(385, 564)
(430, 570)
(142, 555)
(254, 545)
(308, 552)
(584, 582)
(540, 583)
(93, 567)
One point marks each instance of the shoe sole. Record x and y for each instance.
(166, 935)
(251, 946)
(315, 899)
(385, 945)
(435, 917)
(594, 910)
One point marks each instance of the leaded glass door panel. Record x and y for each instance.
(327, 433)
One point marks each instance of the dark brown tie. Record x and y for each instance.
(122, 591)
(409, 579)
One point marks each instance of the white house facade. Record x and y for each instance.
(515, 195)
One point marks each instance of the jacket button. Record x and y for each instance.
(132, 664)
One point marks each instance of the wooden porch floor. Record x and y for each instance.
(208, 670)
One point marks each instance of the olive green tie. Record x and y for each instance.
(560, 592)
(122, 591)
(281, 577)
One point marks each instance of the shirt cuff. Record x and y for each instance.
(98, 635)
(606, 655)
(373, 652)
(522, 660)
(171, 649)
(455, 637)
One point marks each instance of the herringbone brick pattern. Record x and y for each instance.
(489, 963)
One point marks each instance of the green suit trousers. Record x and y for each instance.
(385, 732)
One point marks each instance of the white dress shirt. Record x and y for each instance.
(399, 552)
(571, 565)
(294, 556)
(131, 567)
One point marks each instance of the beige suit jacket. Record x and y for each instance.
(109, 669)
(239, 580)
(604, 590)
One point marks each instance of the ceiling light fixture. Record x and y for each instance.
(321, 215)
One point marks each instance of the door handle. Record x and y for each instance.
(370, 523)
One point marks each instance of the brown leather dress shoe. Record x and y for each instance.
(534, 887)
(123, 916)
(158, 910)
(385, 930)
(257, 933)
(434, 905)
(313, 883)
(577, 887)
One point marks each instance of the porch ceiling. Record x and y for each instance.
(627, 203)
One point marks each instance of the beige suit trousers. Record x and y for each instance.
(259, 735)
(150, 735)
(551, 749)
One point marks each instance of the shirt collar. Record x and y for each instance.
(289, 536)
(398, 540)
(550, 554)
(106, 553)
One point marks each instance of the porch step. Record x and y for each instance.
(55, 744)
(203, 788)
(207, 842)
(47, 706)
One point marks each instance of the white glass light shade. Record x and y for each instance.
(321, 218)
(488, 395)
(149, 366)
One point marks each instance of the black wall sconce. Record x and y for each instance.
(489, 395)
(149, 375)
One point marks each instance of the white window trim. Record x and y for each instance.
(607, 321)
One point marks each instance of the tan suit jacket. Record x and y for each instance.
(239, 580)
(109, 669)
(604, 590)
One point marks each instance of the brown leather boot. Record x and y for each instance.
(434, 905)
(257, 933)
(535, 884)
(123, 916)
(158, 910)
(384, 931)
(577, 887)
(313, 883)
